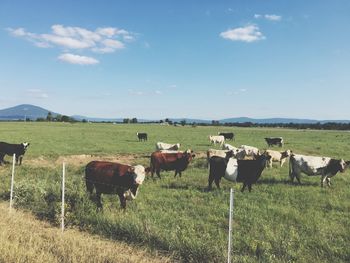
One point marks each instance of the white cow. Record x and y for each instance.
(277, 156)
(313, 165)
(166, 146)
(214, 139)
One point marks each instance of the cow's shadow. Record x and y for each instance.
(272, 181)
(184, 187)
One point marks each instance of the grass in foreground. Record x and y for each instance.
(25, 239)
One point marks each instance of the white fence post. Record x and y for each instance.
(230, 228)
(62, 209)
(12, 179)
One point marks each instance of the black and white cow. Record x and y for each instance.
(313, 165)
(10, 149)
(227, 135)
(246, 171)
(142, 136)
(274, 141)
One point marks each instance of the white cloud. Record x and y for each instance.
(37, 93)
(248, 34)
(101, 40)
(271, 17)
(76, 59)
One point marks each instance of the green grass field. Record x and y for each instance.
(276, 222)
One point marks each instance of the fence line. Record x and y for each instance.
(12, 179)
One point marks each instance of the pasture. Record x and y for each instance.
(276, 222)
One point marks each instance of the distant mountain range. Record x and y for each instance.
(33, 112)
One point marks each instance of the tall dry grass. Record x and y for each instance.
(25, 239)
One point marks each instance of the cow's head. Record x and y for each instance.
(25, 145)
(286, 153)
(189, 154)
(342, 165)
(138, 172)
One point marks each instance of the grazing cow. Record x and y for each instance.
(166, 146)
(114, 178)
(166, 161)
(276, 156)
(313, 165)
(227, 135)
(214, 139)
(274, 141)
(142, 136)
(246, 171)
(10, 149)
(246, 152)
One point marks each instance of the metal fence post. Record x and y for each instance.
(12, 179)
(230, 228)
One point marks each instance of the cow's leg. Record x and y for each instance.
(17, 157)
(324, 179)
(297, 175)
(122, 200)
(217, 182)
(98, 200)
(243, 187)
(328, 181)
(158, 173)
(210, 181)
(250, 187)
(176, 171)
(20, 159)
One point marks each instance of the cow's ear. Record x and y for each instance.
(131, 169)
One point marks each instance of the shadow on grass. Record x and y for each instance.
(273, 181)
(185, 187)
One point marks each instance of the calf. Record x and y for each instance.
(227, 135)
(142, 136)
(276, 156)
(170, 161)
(114, 178)
(274, 141)
(10, 149)
(313, 165)
(245, 171)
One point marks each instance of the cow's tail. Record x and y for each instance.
(89, 183)
(291, 169)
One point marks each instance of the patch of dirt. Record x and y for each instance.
(83, 159)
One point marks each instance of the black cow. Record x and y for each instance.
(114, 178)
(227, 135)
(246, 171)
(274, 141)
(142, 136)
(10, 149)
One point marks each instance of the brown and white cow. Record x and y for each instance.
(170, 161)
(114, 178)
(277, 156)
(314, 165)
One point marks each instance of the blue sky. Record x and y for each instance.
(196, 59)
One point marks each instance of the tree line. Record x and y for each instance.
(168, 121)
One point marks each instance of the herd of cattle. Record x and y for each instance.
(244, 164)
